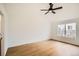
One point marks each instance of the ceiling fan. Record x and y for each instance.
(51, 9)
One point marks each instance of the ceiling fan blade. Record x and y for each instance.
(44, 10)
(57, 8)
(47, 12)
(53, 12)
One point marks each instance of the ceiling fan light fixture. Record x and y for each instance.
(51, 9)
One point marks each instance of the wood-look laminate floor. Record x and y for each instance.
(44, 48)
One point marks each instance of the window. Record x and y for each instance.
(67, 30)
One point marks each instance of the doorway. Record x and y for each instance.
(2, 27)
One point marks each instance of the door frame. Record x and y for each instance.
(2, 32)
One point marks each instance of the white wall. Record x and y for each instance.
(26, 24)
(0, 23)
(4, 43)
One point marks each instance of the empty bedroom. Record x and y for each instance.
(39, 29)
